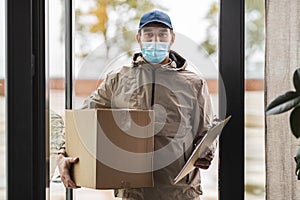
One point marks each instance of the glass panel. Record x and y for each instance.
(105, 40)
(55, 45)
(254, 100)
(2, 103)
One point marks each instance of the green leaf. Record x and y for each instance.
(283, 103)
(297, 159)
(296, 80)
(294, 122)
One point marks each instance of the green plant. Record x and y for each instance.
(290, 100)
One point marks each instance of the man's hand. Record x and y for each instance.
(205, 162)
(64, 164)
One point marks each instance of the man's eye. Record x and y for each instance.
(163, 35)
(149, 35)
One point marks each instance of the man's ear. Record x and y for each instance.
(138, 39)
(172, 39)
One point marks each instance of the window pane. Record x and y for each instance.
(2, 103)
(254, 100)
(56, 87)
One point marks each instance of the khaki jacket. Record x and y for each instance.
(183, 111)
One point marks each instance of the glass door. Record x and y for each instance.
(101, 30)
(91, 38)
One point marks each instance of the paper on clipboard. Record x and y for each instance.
(201, 149)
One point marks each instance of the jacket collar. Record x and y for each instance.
(177, 62)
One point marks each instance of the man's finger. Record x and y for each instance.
(74, 160)
(202, 163)
(210, 155)
(71, 184)
(66, 179)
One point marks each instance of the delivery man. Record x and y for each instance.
(157, 79)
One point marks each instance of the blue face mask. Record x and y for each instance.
(155, 52)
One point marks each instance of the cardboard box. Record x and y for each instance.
(115, 147)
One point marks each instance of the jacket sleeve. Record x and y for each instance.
(204, 115)
(57, 134)
(101, 98)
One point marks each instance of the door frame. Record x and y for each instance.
(26, 98)
(231, 99)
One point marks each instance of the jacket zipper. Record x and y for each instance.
(153, 89)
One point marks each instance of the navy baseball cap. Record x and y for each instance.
(155, 16)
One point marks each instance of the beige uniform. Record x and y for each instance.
(183, 110)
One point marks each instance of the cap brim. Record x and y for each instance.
(158, 21)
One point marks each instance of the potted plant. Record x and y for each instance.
(283, 103)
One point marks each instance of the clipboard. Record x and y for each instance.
(201, 149)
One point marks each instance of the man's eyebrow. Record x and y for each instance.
(163, 30)
(147, 29)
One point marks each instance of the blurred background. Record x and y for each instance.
(104, 39)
